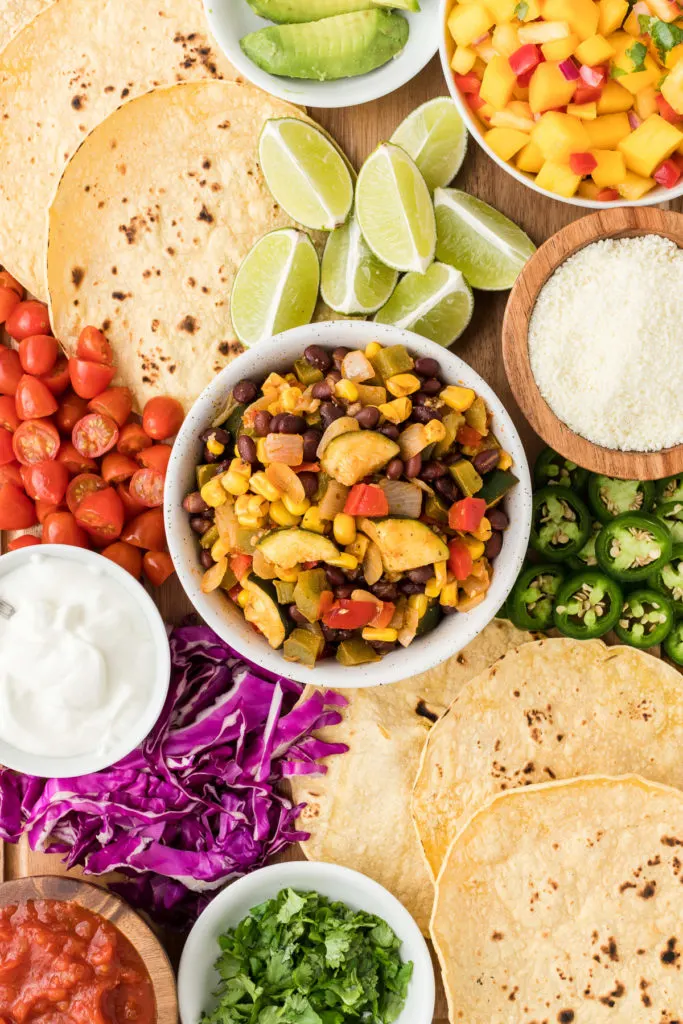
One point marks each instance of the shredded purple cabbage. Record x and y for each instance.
(197, 804)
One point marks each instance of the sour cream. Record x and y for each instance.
(77, 660)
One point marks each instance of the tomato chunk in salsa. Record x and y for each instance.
(63, 964)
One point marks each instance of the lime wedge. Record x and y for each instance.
(435, 137)
(353, 281)
(395, 211)
(276, 286)
(437, 304)
(488, 248)
(306, 173)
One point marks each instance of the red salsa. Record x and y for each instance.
(62, 964)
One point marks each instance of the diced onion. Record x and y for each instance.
(405, 499)
(373, 567)
(413, 440)
(285, 479)
(262, 566)
(634, 120)
(343, 425)
(226, 523)
(408, 630)
(356, 366)
(333, 500)
(213, 577)
(569, 69)
(287, 448)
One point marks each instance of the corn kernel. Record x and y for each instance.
(458, 399)
(449, 596)
(219, 550)
(438, 581)
(402, 384)
(347, 390)
(240, 467)
(290, 398)
(343, 561)
(257, 505)
(373, 349)
(397, 411)
(475, 547)
(312, 520)
(435, 431)
(504, 460)
(260, 484)
(214, 446)
(358, 547)
(419, 603)
(261, 451)
(250, 522)
(484, 530)
(287, 575)
(295, 508)
(344, 527)
(387, 635)
(281, 515)
(234, 483)
(441, 573)
(242, 505)
(243, 598)
(212, 492)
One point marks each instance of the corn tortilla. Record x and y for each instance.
(14, 14)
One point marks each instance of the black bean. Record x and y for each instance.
(311, 442)
(424, 414)
(452, 458)
(275, 423)
(291, 424)
(329, 412)
(494, 545)
(322, 390)
(339, 354)
(208, 456)
(420, 575)
(394, 470)
(431, 386)
(335, 576)
(433, 471)
(412, 467)
(318, 357)
(246, 446)
(262, 423)
(382, 646)
(408, 588)
(427, 367)
(246, 391)
(206, 559)
(337, 635)
(420, 398)
(194, 503)
(309, 482)
(448, 489)
(485, 461)
(333, 377)
(446, 609)
(497, 519)
(344, 592)
(296, 616)
(385, 590)
(223, 467)
(390, 430)
(200, 524)
(368, 417)
(206, 434)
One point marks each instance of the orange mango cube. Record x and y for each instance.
(614, 99)
(502, 10)
(635, 187)
(558, 178)
(652, 142)
(646, 102)
(498, 82)
(588, 189)
(469, 22)
(549, 88)
(463, 60)
(611, 169)
(584, 111)
(559, 135)
(672, 88)
(505, 39)
(582, 15)
(596, 50)
(505, 142)
(665, 10)
(560, 49)
(607, 132)
(611, 15)
(530, 159)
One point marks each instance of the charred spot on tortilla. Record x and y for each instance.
(565, 1016)
(120, 296)
(648, 890)
(106, 324)
(423, 711)
(206, 163)
(77, 102)
(205, 215)
(188, 324)
(671, 841)
(77, 275)
(670, 954)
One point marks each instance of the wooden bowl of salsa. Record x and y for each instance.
(74, 950)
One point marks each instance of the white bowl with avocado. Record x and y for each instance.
(369, 49)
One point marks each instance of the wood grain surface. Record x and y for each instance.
(359, 130)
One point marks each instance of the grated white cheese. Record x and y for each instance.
(606, 343)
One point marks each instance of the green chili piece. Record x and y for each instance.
(671, 513)
(552, 469)
(670, 489)
(610, 497)
(673, 645)
(632, 547)
(356, 651)
(531, 603)
(303, 646)
(561, 523)
(588, 605)
(306, 373)
(646, 619)
(669, 580)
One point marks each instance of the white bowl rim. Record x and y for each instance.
(73, 767)
(653, 198)
(351, 887)
(343, 92)
(454, 632)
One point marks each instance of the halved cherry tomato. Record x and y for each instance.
(27, 318)
(93, 346)
(62, 528)
(89, 379)
(71, 409)
(57, 380)
(101, 514)
(162, 417)
(125, 555)
(74, 461)
(95, 435)
(155, 457)
(34, 400)
(147, 486)
(146, 531)
(10, 371)
(26, 541)
(84, 483)
(459, 560)
(467, 514)
(347, 614)
(366, 500)
(38, 353)
(46, 481)
(45, 509)
(17, 511)
(114, 402)
(9, 300)
(131, 505)
(133, 439)
(35, 441)
(11, 474)
(7, 281)
(158, 566)
(7, 451)
(117, 467)
(9, 418)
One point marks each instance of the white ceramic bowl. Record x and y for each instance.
(657, 195)
(455, 631)
(197, 978)
(230, 20)
(70, 767)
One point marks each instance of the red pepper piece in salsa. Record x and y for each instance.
(466, 515)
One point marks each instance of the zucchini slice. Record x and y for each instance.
(405, 543)
(287, 548)
(353, 456)
(263, 610)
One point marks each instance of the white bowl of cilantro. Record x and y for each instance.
(307, 942)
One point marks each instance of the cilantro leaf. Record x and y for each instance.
(637, 54)
(521, 10)
(664, 35)
(616, 72)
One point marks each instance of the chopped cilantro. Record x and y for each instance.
(637, 53)
(616, 72)
(302, 959)
(664, 35)
(521, 10)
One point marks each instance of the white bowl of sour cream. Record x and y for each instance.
(84, 663)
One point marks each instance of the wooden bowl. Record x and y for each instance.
(100, 901)
(616, 223)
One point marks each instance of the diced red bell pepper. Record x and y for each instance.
(466, 515)
(347, 614)
(325, 603)
(240, 565)
(607, 195)
(459, 560)
(307, 467)
(468, 84)
(235, 592)
(582, 163)
(308, 565)
(587, 94)
(468, 436)
(668, 174)
(366, 500)
(594, 76)
(475, 103)
(525, 59)
(385, 613)
(667, 111)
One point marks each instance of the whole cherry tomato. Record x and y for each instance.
(38, 353)
(62, 528)
(146, 531)
(114, 402)
(35, 441)
(45, 509)
(7, 281)
(17, 511)
(89, 379)
(125, 555)
(133, 439)
(132, 507)
(10, 473)
(9, 300)
(162, 417)
(155, 457)
(74, 461)
(93, 346)
(10, 371)
(101, 514)
(84, 483)
(71, 410)
(158, 566)
(117, 467)
(9, 418)
(25, 541)
(34, 400)
(57, 380)
(46, 481)
(27, 318)
(95, 434)
(147, 485)
(6, 449)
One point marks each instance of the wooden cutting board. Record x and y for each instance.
(359, 130)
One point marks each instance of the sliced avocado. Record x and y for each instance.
(339, 47)
(353, 456)
(405, 543)
(287, 548)
(263, 610)
(290, 12)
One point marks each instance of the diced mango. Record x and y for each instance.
(612, 14)
(530, 159)
(558, 178)
(505, 39)
(588, 189)
(635, 187)
(502, 10)
(560, 49)
(509, 119)
(672, 88)
(608, 131)
(485, 50)
(549, 88)
(614, 99)
(623, 69)
(498, 82)
(665, 10)
(559, 135)
(538, 32)
(582, 15)
(505, 142)
(652, 142)
(468, 22)
(584, 111)
(532, 12)
(646, 102)
(463, 60)
(674, 56)
(632, 25)
(595, 50)
(611, 169)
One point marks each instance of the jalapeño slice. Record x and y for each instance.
(561, 523)
(669, 580)
(670, 489)
(646, 619)
(586, 557)
(588, 605)
(610, 497)
(633, 546)
(551, 468)
(673, 645)
(671, 513)
(531, 603)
